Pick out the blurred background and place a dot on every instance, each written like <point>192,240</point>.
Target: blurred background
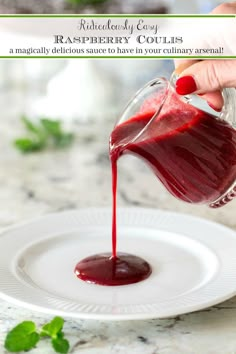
<point>107,6</point>
<point>80,90</point>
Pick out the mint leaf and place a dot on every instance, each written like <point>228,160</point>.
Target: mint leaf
<point>52,328</point>
<point>31,127</point>
<point>28,145</point>
<point>52,127</point>
<point>60,344</point>
<point>64,140</point>
<point>22,337</point>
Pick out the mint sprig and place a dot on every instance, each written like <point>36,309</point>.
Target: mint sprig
<point>45,133</point>
<point>25,336</point>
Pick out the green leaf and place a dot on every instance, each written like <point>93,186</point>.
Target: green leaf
<point>28,145</point>
<point>52,127</point>
<point>64,140</point>
<point>31,127</point>
<point>60,344</point>
<point>22,337</point>
<point>52,328</point>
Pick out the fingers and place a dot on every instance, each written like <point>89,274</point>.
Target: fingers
<point>208,76</point>
<point>214,99</point>
<point>183,64</point>
<point>225,8</point>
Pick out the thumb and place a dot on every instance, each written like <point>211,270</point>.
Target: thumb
<point>207,76</point>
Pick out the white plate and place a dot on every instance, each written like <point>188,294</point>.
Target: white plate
<point>193,261</point>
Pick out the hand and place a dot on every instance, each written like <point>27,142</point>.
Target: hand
<point>208,77</point>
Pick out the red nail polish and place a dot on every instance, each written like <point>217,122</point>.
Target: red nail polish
<point>185,85</point>
<point>213,107</point>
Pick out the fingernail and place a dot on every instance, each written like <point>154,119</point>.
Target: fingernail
<point>213,107</point>
<point>185,85</point>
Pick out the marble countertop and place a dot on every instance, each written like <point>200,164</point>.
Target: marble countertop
<point>54,181</point>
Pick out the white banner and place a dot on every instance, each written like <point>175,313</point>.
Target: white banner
<point>118,36</point>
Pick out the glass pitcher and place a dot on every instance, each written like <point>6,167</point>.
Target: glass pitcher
<point>190,147</point>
